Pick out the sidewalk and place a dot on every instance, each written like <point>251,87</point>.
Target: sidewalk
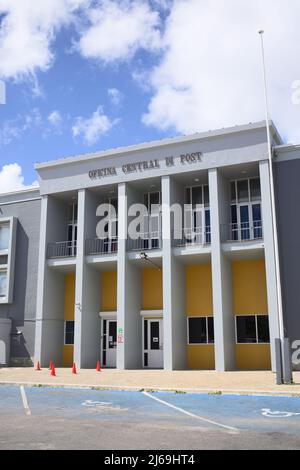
<point>189,381</point>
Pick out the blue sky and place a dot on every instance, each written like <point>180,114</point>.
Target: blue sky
<point>87,75</point>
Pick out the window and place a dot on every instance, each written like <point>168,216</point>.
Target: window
<point>197,195</point>
<point>247,190</point>
<point>3,284</point>
<point>200,330</point>
<point>263,334</point>
<point>69,332</point>
<point>4,236</point>
<point>243,191</point>
<point>255,189</point>
<point>246,216</point>
<point>252,329</point>
<point>152,202</point>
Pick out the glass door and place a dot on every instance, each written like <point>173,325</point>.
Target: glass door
<point>110,342</point>
<point>257,221</point>
<point>155,344</point>
<point>244,222</point>
<point>152,222</point>
<point>72,230</point>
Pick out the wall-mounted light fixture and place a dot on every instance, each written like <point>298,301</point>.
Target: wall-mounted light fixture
<point>145,257</point>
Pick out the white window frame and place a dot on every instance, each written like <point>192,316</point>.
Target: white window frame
<point>4,270</point>
<point>188,332</point>
<point>256,328</point>
<point>153,236</point>
<point>250,205</point>
<point>202,208</point>
<point>10,253</point>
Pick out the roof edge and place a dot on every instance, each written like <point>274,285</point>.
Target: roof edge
<point>21,191</point>
<point>159,143</point>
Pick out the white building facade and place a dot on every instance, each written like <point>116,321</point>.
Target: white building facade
<point>160,301</point>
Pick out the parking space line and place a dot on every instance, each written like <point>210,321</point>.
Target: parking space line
<point>192,415</point>
<point>24,400</point>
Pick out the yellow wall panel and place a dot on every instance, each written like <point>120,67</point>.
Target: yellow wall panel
<point>109,292</point>
<point>152,289</point>
<point>249,287</point>
<point>201,357</point>
<point>69,296</point>
<point>253,357</point>
<point>199,300</point>
<point>68,356</point>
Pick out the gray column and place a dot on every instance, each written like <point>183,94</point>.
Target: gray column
<point>129,321</point>
<point>269,257</point>
<point>175,323</point>
<point>50,289</point>
<point>221,275</point>
<point>87,295</point>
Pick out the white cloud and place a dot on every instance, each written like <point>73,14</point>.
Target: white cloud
<point>91,129</point>
<point>27,31</point>
<point>13,129</point>
<point>55,119</point>
<point>210,74</point>
<point>116,30</point>
<point>11,179</point>
<point>115,96</point>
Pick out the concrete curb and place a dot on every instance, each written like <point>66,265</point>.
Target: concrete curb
<point>257,393</point>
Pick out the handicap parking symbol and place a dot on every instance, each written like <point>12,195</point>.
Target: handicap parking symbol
<point>278,414</point>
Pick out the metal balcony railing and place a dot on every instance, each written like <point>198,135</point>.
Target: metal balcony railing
<point>99,246</point>
<point>192,237</point>
<point>62,249</point>
<point>243,232</point>
<point>146,242</point>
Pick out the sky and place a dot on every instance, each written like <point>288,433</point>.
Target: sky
<point>88,75</point>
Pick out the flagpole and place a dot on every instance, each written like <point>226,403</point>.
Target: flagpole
<point>273,211</point>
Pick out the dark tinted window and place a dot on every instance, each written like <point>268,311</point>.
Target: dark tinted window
<point>188,196</point>
<point>69,333</point>
<point>206,196</point>
<point>197,331</point>
<point>145,335</point>
<point>197,195</point>
<point>246,329</point>
<point>233,191</point>
<point>210,330</point>
<point>263,329</point>
<point>255,189</point>
<point>243,191</point>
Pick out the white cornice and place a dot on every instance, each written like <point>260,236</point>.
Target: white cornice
<point>159,144</point>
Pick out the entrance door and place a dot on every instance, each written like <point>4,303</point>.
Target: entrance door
<point>155,344</point>
<point>109,343</point>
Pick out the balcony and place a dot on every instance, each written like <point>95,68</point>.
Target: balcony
<point>146,242</point>
<point>244,232</point>
<point>99,246</point>
<point>192,237</point>
<point>62,250</point>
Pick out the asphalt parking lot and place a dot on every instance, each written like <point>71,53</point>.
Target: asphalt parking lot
<point>65,418</point>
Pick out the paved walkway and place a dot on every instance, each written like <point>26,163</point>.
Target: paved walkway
<point>190,381</point>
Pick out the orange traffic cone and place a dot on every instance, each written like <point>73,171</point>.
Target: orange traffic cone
<point>74,369</point>
<point>38,366</point>
<point>53,370</point>
<point>98,368</point>
<point>50,365</point>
